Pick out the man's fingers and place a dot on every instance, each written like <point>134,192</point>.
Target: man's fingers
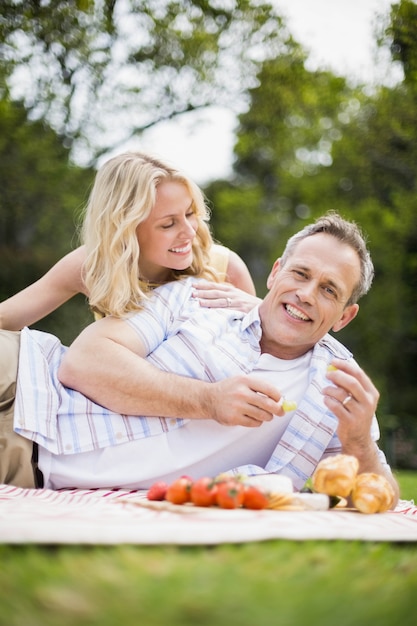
<point>350,380</point>
<point>247,401</point>
<point>270,392</point>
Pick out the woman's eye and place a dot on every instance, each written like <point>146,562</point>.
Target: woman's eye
<point>168,225</point>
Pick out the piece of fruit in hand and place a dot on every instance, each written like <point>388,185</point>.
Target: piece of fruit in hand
<point>289,405</point>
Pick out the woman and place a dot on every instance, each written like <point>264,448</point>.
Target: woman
<point>145,224</point>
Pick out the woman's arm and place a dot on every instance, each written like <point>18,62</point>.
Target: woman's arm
<point>58,285</point>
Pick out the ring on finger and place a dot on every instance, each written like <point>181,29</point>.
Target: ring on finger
<point>347,399</point>
<point>229,302</point>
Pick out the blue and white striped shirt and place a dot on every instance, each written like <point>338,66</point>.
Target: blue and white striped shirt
<point>186,339</point>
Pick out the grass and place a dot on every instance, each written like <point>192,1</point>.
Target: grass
<point>279,583</point>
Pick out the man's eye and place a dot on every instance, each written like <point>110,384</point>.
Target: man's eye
<point>299,273</point>
<point>330,292</point>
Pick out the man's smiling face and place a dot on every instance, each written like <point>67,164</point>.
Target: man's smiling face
<point>308,295</point>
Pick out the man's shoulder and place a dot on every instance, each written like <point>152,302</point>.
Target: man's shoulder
<point>334,346</point>
<point>166,303</point>
<point>174,290</point>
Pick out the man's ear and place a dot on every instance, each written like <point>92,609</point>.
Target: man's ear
<point>273,273</point>
<point>349,313</point>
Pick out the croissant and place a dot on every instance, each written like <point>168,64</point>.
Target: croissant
<point>336,475</point>
<point>372,493</point>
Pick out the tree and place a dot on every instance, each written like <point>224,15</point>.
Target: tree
<point>309,143</point>
<point>40,197</point>
<point>102,71</point>
<point>283,139</point>
<point>399,36</point>
<point>373,180</point>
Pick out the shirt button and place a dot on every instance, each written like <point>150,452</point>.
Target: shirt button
<point>68,446</point>
<point>172,421</point>
<point>119,435</point>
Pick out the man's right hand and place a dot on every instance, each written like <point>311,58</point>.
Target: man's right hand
<point>242,401</point>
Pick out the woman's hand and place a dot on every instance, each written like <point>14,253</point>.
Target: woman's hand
<point>223,295</point>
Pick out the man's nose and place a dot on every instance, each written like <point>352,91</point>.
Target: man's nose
<point>307,292</point>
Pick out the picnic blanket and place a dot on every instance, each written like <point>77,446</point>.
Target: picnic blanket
<point>43,516</point>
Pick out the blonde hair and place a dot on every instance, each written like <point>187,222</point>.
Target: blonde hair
<point>123,196</point>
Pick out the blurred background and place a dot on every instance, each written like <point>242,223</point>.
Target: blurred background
<point>279,110</point>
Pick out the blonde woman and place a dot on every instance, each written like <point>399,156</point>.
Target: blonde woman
<point>145,224</point>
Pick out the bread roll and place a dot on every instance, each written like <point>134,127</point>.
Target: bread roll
<point>336,475</point>
<point>372,493</point>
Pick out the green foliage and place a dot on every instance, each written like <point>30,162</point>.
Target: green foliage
<point>402,39</point>
<point>309,143</point>
<point>282,142</point>
<point>249,233</point>
<point>41,195</point>
<point>39,189</point>
<point>115,68</point>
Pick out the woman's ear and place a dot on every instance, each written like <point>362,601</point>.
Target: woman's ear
<point>273,273</point>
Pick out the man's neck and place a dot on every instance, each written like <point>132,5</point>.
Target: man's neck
<point>285,353</point>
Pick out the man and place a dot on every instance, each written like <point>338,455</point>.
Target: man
<point>222,408</point>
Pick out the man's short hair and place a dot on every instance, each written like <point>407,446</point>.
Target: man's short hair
<point>346,232</point>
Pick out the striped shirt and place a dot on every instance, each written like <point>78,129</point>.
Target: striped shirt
<point>184,338</point>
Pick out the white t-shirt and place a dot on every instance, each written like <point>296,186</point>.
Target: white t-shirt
<point>199,448</point>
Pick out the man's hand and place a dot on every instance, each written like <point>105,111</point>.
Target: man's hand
<point>242,401</point>
<point>353,398</point>
<point>106,363</point>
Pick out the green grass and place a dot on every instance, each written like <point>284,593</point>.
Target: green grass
<point>279,583</point>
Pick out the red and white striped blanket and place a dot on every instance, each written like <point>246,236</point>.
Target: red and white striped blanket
<point>115,517</point>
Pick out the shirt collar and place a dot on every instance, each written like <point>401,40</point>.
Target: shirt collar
<point>252,319</point>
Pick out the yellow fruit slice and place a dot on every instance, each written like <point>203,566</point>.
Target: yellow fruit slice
<point>289,405</point>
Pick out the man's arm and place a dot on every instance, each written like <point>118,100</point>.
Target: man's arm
<point>355,415</point>
<point>107,364</point>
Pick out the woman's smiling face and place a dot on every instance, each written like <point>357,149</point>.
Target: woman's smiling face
<point>308,295</point>
<point>166,236</point>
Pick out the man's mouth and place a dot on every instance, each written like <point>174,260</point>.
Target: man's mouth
<point>295,313</point>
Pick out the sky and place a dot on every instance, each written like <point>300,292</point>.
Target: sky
<point>337,34</point>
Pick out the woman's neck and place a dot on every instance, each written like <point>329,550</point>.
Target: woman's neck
<point>155,274</point>
<point>154,279</point>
